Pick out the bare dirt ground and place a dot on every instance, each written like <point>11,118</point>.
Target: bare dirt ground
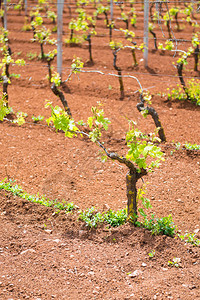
<point>54,256</point>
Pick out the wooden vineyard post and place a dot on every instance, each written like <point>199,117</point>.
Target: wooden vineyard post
<point>111,11</point>
<point>146,32</point>
<point>5,14</point>
<point>26,8</point>
<point>60,5</point>
<point>111,20</point>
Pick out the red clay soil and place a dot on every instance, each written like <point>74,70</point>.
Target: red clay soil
<point>45,255</point>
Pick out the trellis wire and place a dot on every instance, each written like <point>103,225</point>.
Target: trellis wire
<point>59,57</point>
<point>123,76</point>
<point>116,2</point>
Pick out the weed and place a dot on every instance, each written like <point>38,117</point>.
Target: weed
<point>15,75</point>
<point>189,146</point>
<point>158,226</point>
<point>64,206</point>
<point>190,238</point>
<point>115,218</point>
<point>91,217</point>
<point>161,94</point>
<point>175,262</point>
<point>31,55</point>
<point>152,253</point>
<point>37,119</point>
<point>18,191</point>
<point>178,146</point>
